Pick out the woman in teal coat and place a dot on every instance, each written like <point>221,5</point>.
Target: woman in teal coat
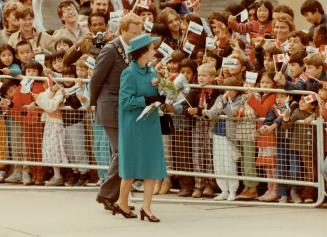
<point>141,154</point>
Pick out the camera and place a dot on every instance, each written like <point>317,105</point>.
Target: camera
<point>99,40</point>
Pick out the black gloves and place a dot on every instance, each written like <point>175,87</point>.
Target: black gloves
<point>151,99</point>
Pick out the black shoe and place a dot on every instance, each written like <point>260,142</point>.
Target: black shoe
<point>117,209</point>
<point>72,179</point>
<point>150,218</point>
<point>83,180</point>
<point>106,203</point>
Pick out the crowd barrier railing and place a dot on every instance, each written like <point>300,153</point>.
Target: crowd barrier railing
<point>194,149</point>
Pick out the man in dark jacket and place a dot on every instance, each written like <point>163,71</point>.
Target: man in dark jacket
<point>105,84</point>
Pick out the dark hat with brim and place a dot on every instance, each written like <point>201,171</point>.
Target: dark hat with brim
<point>140,42</point>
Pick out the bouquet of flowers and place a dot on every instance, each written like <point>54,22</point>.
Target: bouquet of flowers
<point>166,87</point>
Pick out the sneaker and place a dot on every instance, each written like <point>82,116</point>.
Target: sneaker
<point>264,195</point>
<point>138,186</point>
<point>197,193</point>
<point>283,199</point>
<point>72,179</point>
<point>14,178</point>
<point>54,181</point>
<point>2,176</point>
<point>308,200</point>
<point>231,197</point>
<point>184,193</point>
<point>100,182</point>
<point>27,180</point>
<point>295,198</point>
<point>83,180</point>
<point>270,197</point>
<point>222,196</point>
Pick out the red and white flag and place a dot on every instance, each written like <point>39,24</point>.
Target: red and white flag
<point>280,58</point>
<point>304,76</point>
<point>310,98</point>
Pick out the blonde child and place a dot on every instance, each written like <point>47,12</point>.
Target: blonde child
<point>200,100</point>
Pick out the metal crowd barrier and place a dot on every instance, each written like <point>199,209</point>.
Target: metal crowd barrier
<point>194,149</point>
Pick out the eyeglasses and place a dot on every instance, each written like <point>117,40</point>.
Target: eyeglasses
<point>68,10</point>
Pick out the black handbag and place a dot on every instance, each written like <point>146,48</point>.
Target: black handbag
<point>167,124</point>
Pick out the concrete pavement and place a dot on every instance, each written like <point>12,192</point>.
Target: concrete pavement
<point>76,214</point>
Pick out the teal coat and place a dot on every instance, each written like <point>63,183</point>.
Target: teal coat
<point>140,144</point>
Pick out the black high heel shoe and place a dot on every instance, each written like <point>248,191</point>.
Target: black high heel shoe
<point>150,218</point>
<point>117,209</point>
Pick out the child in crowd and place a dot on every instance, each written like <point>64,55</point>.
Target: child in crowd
<point>314,67</point>
<point>5,135</point>
<point>314,13</point>
<point>246,135</point>
<point>261,26</point>
<point>62,44</point>
<point>296,68</point>
<point>181,145</point>
<point>304,77</point>
<point>57,63</point>
<point>75,140</point>
<point>266,143</point>
<point>202,154</point>
<point>24,52</point>
<point>265,58</point>
<point>172,65</point>
<point>16,142</point>
<point>273,121</point>
<point>301,146</point>
<point>29,118</point>
<point>54,133</point>
<point>225,153</point>
<point>8,63</point>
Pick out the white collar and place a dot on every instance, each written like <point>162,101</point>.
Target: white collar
<point>125,45</point>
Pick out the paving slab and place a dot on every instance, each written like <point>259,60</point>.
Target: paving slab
<point>76,214</point>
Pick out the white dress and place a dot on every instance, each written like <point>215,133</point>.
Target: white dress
<point>53,150</point>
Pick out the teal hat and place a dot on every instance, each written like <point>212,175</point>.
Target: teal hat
<point>140,42</point>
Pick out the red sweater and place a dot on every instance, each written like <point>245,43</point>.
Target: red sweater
<point>261,107</point>
<point>21,99</point>
<point>255,28</point>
